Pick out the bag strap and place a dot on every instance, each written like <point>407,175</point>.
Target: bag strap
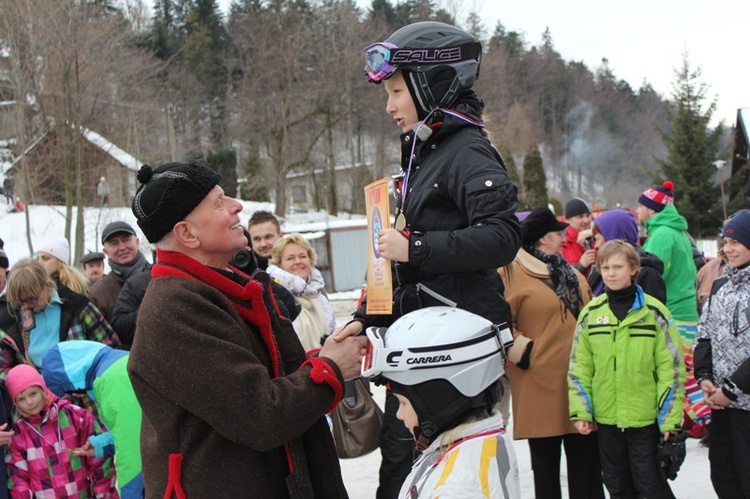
<point>718,283</point>
<point>350,391</point>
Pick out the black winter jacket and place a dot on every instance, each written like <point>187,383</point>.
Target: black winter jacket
<point>125,313</point>
<point>459,210</point>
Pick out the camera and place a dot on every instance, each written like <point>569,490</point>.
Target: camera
<point>587,244</point>
<point>245,259</point>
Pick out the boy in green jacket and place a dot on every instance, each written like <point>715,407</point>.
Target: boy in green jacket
<point>668,239</point>
<point>627,375</point>
<point>101,371</point>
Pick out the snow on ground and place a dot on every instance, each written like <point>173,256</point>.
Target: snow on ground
<point>361,474</point>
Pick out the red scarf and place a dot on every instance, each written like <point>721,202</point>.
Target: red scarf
<point>247,300</point>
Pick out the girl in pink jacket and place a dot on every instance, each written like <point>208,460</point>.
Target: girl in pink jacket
<point>45,458</point>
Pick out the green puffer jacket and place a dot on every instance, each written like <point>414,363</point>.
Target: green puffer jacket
<point>630,373</point>
<point>668,240</point>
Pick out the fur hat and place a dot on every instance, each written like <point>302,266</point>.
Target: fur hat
<point>738,228</point>
<point>658,197</point>
<point>538,223</point>
<point>575,207</point>
<point>169,194</point>
<point>24,376</point>
<point>57,247</point>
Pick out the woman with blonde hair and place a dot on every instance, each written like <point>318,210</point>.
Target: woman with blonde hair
<point>54,254</point>
<point>292,265</point>
<point>46,314</point>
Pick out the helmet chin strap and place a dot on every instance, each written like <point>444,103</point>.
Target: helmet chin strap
<point>432,425</point>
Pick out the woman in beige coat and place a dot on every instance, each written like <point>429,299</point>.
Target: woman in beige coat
<point>546,295</point>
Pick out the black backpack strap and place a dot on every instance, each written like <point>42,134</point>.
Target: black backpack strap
<point>718,283</point>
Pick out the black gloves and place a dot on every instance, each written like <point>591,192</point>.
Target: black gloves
<point>671,454</point>
<point>526,357</point>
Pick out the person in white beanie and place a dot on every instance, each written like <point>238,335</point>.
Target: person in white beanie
<point>54,255</point>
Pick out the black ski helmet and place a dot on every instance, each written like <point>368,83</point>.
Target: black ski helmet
<point>438,61</point>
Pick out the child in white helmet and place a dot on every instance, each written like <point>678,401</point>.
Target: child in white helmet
<point>444,366</point>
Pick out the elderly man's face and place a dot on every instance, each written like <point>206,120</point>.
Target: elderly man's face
<point>121,247</point>
<point>216,222</point>
<point>94,271</point>
<point>3,278</point>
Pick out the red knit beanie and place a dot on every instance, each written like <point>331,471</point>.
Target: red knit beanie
<point>658,197</point>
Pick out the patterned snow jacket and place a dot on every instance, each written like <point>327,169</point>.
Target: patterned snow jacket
<point>41,465</point>
<point>631,373</point>
<point>722,345</point>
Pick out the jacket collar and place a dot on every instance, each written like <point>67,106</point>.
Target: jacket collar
<point>246,299</point>
<point>533,265</point>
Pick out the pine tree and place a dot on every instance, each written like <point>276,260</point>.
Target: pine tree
<point>534,180</point>
<point>224,161</point>
<point>510,164</point>
<point>692,147</point>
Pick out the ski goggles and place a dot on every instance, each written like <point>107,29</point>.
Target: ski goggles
<point>382,59</point>
<point>378,58</point>
<point>378,359</point>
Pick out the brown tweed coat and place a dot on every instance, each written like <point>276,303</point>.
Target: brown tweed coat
<point>205,379</point>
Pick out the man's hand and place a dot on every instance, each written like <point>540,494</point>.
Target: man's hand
<point>583,235</point>
<point>583,427</point>
<point>5,436</point>
<point>588,257</point>
<point>346,353</point>
<point>393,245</point>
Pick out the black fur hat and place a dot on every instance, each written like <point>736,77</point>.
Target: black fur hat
<point>537,224</point>
<point>169,194</point>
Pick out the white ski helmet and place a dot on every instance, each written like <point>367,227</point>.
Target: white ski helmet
<point>446,361</point>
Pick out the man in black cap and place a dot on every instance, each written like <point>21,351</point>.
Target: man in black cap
<point>576,249</point>
<point>231,406</point>
<point>122,247</point>
<point>92,264</point>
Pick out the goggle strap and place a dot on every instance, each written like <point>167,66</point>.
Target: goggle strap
<point>406,359</point>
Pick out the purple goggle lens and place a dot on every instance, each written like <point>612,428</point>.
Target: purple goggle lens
<point>377,61</point>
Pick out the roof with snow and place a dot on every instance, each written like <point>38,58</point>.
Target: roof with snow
<point>122,157</point>
<point>125,159</point>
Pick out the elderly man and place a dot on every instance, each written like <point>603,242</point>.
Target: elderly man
<point>122,247</point>
<point>231,406</point>
<point>92,264</point>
